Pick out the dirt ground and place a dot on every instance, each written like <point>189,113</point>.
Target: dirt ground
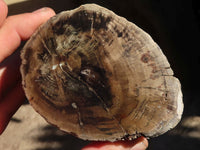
<point>29,131</point>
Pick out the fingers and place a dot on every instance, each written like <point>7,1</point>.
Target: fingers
<point>11,94</point>
<point>3,11</point>
<point>9,73</point>
<point>20,27</point>
<point>12,31</point>
<point>139,144</point>
<point>10,104</point>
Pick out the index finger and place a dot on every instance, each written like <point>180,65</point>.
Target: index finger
<point>3,11</point>
<point>20,27</point>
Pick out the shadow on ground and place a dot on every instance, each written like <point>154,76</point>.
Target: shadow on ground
<point>58,140</point>
<point>174,142</point>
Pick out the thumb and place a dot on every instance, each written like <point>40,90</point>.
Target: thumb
<point>20,27</point>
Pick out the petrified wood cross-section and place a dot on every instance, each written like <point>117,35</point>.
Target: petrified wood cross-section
<point>100,77</point>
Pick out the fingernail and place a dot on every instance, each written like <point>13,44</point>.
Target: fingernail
<point>139,146</point>
<point>40,10</point>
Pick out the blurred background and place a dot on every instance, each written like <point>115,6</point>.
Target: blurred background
<point>174,25</point>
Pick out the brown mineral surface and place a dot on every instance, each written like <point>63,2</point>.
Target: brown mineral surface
<point>100,77</point>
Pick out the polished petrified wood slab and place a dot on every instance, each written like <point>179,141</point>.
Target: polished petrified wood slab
<point>100,77</point>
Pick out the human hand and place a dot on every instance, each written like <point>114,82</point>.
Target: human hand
<point>13,30</point>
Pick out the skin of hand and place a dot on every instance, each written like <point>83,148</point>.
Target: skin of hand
<point>14,30</point>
